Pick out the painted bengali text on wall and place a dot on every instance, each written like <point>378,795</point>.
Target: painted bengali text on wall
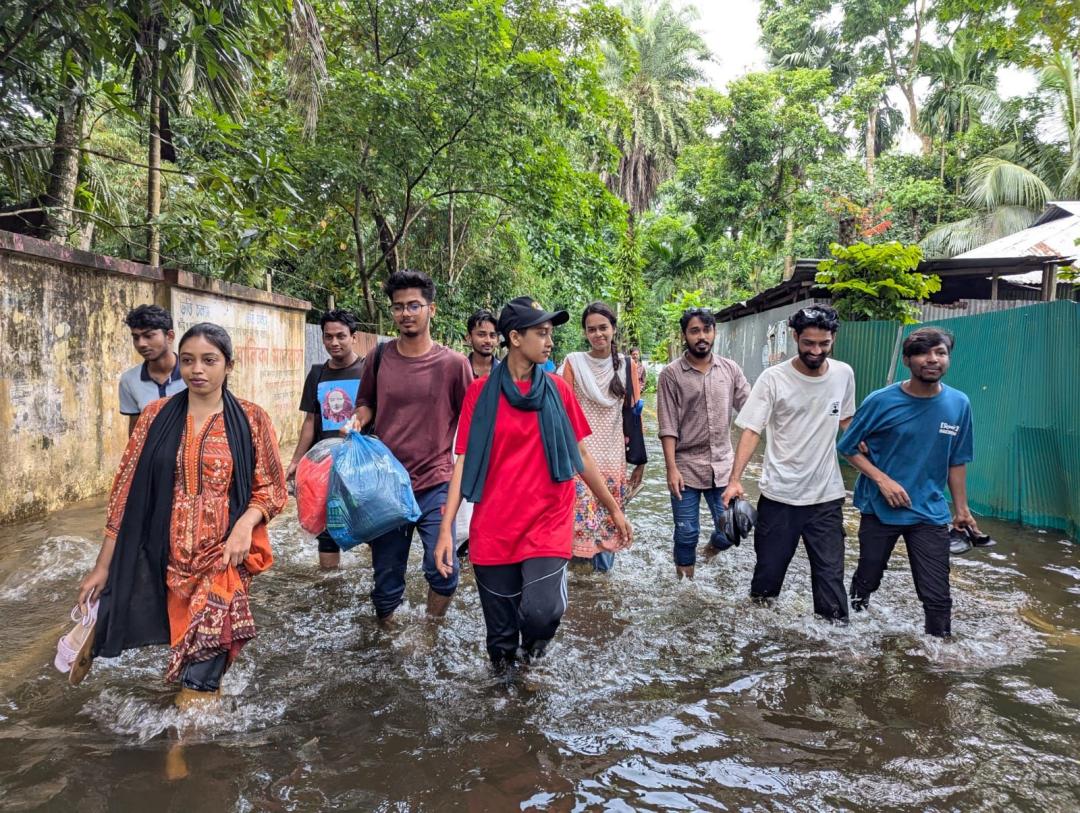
<point>269,350</point>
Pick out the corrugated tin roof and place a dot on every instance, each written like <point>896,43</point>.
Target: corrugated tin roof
<point>1058,208</point>
<point>1054,234</point>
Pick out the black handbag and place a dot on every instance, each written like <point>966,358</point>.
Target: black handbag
<point>632,428</point>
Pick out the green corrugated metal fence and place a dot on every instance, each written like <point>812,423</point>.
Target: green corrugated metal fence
<point>868,348</point>
<point>1021,370</point>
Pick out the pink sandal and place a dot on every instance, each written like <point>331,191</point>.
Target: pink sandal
<point>73,649</point>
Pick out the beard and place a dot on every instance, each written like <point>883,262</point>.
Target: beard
<point>700,354</point>
<point>813,362</point>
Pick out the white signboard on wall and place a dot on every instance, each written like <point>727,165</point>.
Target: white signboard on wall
<point>268,344</point>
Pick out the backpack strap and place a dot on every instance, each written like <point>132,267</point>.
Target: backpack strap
<point>375,364</point>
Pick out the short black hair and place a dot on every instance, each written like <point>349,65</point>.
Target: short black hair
<point>347,318</point>
<point>481,316</point>
<point>704,314</point>
<point>404,279</point>
<point>926,339</point>
<point>819,316</point>
<point>149,317</point>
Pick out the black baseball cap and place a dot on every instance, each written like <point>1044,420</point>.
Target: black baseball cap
<point>523,312</point>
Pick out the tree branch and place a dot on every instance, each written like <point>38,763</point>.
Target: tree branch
<point>88,151</point>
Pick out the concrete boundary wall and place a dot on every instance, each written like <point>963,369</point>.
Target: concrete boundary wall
<point>64,344</point>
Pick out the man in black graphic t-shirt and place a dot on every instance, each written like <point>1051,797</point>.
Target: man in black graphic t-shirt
<point>329,399</point>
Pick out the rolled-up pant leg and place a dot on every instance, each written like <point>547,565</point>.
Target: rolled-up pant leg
<point>205,676</point>
<point>685,512</point>
<point>432,504</point>
<point>389,558</point>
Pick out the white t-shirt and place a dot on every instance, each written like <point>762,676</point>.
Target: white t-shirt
<point>802,416</point>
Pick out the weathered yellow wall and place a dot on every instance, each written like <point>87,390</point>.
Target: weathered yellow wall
<point>64,344</point>
<point>268,345</point>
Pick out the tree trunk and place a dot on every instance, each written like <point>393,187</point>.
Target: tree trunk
<point>153,179</point>
<point>369,302</point>
<point>846,231</point>
<point>871,143</point>
<point>59,199</point>
<point>913,114</point>
<point>789,238</point>
<point>361,256</point>
<point>86,235</point>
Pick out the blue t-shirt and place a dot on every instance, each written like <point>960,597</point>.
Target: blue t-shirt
<point>914,441</point>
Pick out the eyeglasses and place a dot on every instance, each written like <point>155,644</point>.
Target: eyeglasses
<point>814,312</point>
<point>409,307</point>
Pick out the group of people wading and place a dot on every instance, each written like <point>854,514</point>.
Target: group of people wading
<point>542,458</point>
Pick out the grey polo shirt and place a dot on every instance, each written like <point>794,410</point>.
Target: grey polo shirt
<point>138,390</point>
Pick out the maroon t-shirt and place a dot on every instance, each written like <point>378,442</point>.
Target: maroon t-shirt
<point>417,408</point>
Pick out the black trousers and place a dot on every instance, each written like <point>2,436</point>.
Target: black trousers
<point>205,676</point>
<point>776,537</point>
<point>928,553</point>
<point>523,604</point>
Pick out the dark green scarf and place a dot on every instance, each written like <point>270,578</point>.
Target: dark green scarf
<point>556,433</point>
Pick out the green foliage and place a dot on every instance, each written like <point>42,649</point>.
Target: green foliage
<point>669,339</point>
<point>627,287</point>
<point>565,149</point>
<point>876,282</point>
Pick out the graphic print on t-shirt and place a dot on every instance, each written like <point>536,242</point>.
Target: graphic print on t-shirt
<point>337,402</point>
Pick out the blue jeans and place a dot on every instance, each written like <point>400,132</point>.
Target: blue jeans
<point>390,554</point>
<point>686,512</point>
<point>602,561</point>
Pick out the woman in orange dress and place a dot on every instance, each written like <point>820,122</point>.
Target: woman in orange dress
<point>186,525</point>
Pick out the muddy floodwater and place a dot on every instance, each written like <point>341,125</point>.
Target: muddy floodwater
<point>656,695</point>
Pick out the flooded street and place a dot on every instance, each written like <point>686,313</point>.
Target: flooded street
<point>656,695</point>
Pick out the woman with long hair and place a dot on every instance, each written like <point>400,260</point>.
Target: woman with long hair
<point>186,524</point>
<point>604,383</point>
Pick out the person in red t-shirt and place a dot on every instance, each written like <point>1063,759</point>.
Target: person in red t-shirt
<point>520,445</point>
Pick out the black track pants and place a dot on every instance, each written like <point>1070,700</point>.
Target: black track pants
<point>523,604</point>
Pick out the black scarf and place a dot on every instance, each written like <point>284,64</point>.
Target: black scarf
<point>556,433</point>
<point>133,611</point>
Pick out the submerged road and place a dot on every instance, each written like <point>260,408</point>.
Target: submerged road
<point>657,695</point>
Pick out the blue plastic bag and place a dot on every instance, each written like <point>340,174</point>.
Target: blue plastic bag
<point>370,492</point>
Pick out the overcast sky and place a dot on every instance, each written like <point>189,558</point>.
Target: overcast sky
<point>731,32</point>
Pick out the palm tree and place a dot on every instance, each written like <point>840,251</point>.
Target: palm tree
<point>1010,185</point>
<point>184,47</point>
<point>171,49</point>
<point>963,89</point>
<point>654,77</point>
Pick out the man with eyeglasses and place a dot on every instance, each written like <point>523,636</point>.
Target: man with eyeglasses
<point>414,391</point>
<point>802,402</point>
<point>696,395</point>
